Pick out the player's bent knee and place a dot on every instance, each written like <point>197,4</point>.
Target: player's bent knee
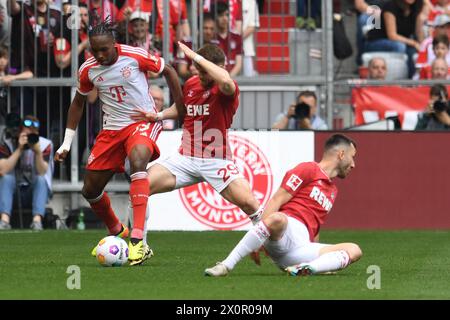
<point>354,252</point>
<point>89,194</point>
<point>275,221</point>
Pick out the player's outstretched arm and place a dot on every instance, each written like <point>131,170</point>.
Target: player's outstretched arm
<point>278,199</point>
<point>73,118</point>
<point>175,88</point>
<point>219,74</point>
<point>169,113</point>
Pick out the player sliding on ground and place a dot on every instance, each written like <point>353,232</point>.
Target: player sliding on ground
<point>292,218</point>
<point>211,100</point>
<point>119,72</point>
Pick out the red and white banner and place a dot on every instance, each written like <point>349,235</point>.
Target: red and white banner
<point>375,103</point>
<point>263,158</point>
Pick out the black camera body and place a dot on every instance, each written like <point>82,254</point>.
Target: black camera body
<point>441,106</point>
<point>302,111</point>
<point>33,138</point>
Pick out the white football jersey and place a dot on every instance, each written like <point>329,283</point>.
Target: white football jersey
<point>123,86</point>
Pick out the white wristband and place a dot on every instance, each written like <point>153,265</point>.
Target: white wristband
<point>159,116</point>
<point>198,58</point>
<point>68,137</point>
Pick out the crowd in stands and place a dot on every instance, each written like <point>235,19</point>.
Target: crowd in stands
<point>419,29</point>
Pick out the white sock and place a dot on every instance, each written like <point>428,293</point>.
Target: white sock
<point>252,241</point>
<point>330,261</point>
<point>256,217</point>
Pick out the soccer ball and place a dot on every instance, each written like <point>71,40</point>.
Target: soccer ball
<point>112,251</point>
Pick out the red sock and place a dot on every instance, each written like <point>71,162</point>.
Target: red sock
<point>104,211</point>
<point>139,192</point>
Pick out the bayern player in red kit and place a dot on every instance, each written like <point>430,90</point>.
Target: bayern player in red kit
<point>211,100</point>
<point>119,72</point>
<point>291,221</point>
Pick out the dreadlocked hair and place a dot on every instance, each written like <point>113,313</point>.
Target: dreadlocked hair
<point>103,28</point>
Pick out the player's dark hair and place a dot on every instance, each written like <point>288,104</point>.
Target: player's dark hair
<point>104,28</point>
<point>338,139</point>
<point>306,94</point>
<point>212,53</point>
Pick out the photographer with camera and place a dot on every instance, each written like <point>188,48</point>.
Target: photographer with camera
<point>25,168</point>
<point>301,115</point>
<point>436,116</point>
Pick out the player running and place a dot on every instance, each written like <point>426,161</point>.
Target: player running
<point>211,100</point>
<point>292,218</point>
<point>119,72</point>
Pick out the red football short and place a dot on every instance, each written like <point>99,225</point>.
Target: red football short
<point>111,147</point>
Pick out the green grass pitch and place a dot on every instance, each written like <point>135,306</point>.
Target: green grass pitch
<point>413,265</point>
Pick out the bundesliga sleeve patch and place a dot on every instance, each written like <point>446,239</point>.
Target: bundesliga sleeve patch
<point>294,182</point>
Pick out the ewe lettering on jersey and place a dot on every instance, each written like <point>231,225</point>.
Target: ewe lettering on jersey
<point>197,110</point>
<point>320,198</point>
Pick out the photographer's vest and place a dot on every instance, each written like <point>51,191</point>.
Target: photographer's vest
<point>27,159</point>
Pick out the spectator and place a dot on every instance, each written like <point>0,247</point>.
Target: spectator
<point>158,96</point>
<point>62,51</point>
<point>4,24</point>
<point>229,42</point>
<point>438,70</point>
<point>25,166</point>
<point>250,17</point>
<point>131,6</point>
<point>178,24</point>
<point>442,29</point>
<point>296,118</point>
<point>7,74</point>
<point>365,10</point>
<point>440,51</point>
<point>6,77</point>
<point>100,10</point>
<point>209,29</point>
<point>139,30</point>
<point>377,69</point>
<point>401,30</point>
<point>235,12</point>
<point>436,114</point>
<point>45,26</point>
<point>308,14</point>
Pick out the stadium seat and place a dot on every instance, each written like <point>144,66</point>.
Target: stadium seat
<point>397,63</point>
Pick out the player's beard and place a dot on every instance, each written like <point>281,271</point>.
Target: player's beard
<point>343,171</point>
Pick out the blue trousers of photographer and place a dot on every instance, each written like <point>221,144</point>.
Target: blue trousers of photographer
<point>36,194</point>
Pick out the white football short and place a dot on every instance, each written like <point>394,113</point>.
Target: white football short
<point>219,173</point>
<point>294,247</point>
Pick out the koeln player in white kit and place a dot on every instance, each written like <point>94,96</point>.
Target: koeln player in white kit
<point>289,229</point>
<point>211,100</point>
<point>119,73</point>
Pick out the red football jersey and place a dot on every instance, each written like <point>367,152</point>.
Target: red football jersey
<point>231,46</point>
<point>313,195</point>
<point>209,114</point>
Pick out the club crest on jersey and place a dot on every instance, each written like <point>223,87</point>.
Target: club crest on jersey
<point>206,94</point>
<point>126,72</point>
<point>294,182</point>
<point>210,208</point>
<point>190,93</point>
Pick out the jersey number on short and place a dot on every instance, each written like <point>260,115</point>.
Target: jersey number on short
<point>142,129</point>
<point>226,172</point>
